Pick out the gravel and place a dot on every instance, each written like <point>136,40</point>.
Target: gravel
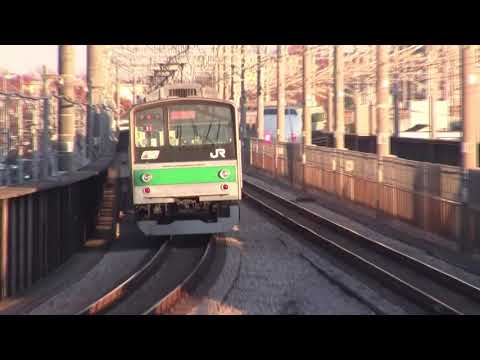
<point>274,278</point>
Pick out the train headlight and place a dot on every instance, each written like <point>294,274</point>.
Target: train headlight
<point>146,177</point>
<point>224,173</point>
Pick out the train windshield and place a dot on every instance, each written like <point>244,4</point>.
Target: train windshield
<point>149,128</point>
<point>200,124</point>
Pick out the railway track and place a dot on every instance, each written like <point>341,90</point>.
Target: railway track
<point>166,279</point>
<point>430,288</point>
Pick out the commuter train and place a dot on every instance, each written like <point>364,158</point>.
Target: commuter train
<point>185,159</point>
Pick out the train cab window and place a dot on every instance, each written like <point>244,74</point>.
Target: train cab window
<point>200,124</point>
<point>149,129</point>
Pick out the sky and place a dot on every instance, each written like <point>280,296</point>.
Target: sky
<point>29,58</point>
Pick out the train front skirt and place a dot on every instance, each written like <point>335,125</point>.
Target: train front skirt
<point>187,227</point>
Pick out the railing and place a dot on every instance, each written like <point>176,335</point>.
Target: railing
<point>46,215</point>
<point>426,195</point>
<point>29,136</point>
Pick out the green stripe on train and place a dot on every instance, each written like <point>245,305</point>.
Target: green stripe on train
<point>189,175</point>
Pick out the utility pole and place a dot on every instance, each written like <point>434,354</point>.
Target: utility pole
<point>117,93</point>
<point>96,83</point>
<point>66,126</point>
<point>281,93</point>
<point>20,132</point>
<point>20,124</point>
<point>445,75</point>
<point>266,76</point>
<point>308,97</point>
<point>260,107</point>
<point>215,68</point>
<point>134,92</point>
<point>225,73</point>
<point>330,119</point>
<point>372,118</point>
<point>330,97</point>
<point>431,92</point>
<point>233,59</point>
<point>383,86</point>
<point>470,111</point>
<point>221,72</point>
<point>471,105</point>
<point>243,97</point>
<point>356,98</point>
<point>46,125</point>
<point>35,139</point>
<point>339,98</point>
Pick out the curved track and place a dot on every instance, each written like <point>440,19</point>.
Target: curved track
<point>429,287</point>
<point>183,290</point>
<point>120,292</point>
<point>163,281</point>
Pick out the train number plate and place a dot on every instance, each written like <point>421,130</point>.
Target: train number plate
<point>150,155</point>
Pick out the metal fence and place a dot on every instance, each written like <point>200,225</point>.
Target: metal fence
<point>423,194</point>
<point>41,226</point>
<point>29,136</point>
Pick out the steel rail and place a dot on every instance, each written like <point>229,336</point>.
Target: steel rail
<point>181,291</point>
<point>412,291</point>
<point>112,297</point>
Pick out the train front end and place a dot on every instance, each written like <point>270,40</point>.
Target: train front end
<point>186,166</point>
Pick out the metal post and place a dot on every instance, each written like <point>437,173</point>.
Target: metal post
<point>260,108</point>
<point>225,74</point>
<point>20,134</point>
<point>339,99</point>
<point>308,97</point>
<point>233,59</point>
<point>66,127</point>
<point>266,77</point>
<point>221,73</point>
<point>35,141</point>
<point>46,154</point>
<point>46,138</point>
<point>431,93</point>
<point>444,71</point>
<point>396,105</point>
<point>117,95</point>
<point>356,103</point>
<point>330,119</point>
<point>330,98</point>
<point>134,93</point>
<point>4,248</point>
<point>243,97</point>
<point>281,93</point>
<point>355,98</point>
<point>383,86</point>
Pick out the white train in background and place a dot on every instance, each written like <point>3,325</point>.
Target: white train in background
<point>293,122</point>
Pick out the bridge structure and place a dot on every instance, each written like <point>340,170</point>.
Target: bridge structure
<point>57,144</point>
